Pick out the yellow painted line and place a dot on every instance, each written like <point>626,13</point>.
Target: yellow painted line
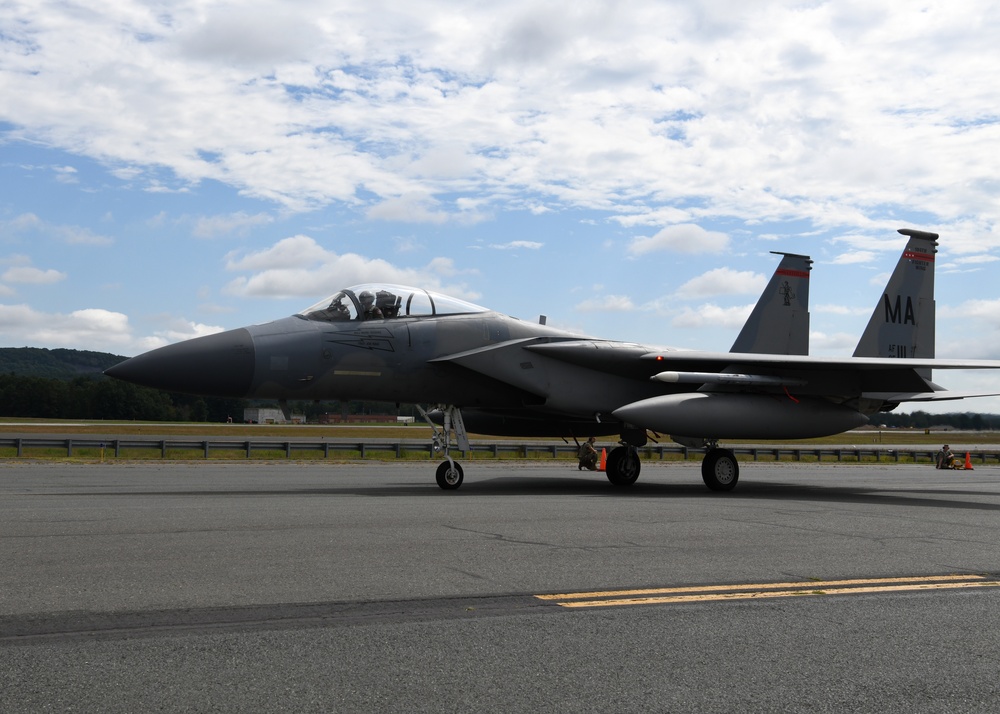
<point>811,584</point>
<point>778,593</point>
<point>749,591</point>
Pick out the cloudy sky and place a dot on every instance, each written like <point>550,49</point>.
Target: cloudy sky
<point>170,169</point>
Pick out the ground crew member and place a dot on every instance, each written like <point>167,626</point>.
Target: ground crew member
<point>587,455</point>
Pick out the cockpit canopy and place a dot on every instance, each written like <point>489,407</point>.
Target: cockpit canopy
<point>379,301</point>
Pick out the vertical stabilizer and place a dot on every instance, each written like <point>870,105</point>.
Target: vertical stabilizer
<point>779,323</point>
<point>903,322</point>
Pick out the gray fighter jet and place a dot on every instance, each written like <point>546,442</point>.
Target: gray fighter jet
<point>480,371</point>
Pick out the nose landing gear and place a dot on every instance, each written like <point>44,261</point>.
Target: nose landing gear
<point>449,474</point>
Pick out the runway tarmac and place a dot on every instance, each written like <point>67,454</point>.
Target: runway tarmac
<point>294,586</point>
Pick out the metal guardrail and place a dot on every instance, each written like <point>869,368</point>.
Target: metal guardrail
<point>118,447</point>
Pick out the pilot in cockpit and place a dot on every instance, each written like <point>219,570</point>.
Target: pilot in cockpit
<point>368,307</point>
<point>388,303</point>
<point>338,310</point>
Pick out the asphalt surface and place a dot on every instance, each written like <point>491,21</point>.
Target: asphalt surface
<point>292,586</point>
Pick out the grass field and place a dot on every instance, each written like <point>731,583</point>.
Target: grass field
<point>360,432</point>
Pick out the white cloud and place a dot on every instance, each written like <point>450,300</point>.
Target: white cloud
<point>28,275</point>
<point>518,245</point>
<point>421,207</point>
<point>606,303</point>
<point>294,252</point>
<point>255,35</point>
<point>709,314</point>
<point>300,267</point>
<point>976,260</point>
<point>239,223</point>
<point>722,281</point>
<point>28,224</point>
<point>856,257</point>
<point>177,330</point>
<point>65,174</point>
<point>661,114</point>
<point>88,328</point>
<point>688,238</point>
<point>833,344</point>
<point>841,309</point>
<point>984,311</point>
<point>880,280</point>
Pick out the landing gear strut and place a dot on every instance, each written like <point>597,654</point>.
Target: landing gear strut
<point>449,473</point>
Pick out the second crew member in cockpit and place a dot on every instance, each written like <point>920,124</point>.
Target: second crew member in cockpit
<point>368,307</point>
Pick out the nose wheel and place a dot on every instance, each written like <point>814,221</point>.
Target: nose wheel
<point>450,475</point>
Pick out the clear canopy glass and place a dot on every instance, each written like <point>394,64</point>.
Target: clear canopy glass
<point>380,301</point>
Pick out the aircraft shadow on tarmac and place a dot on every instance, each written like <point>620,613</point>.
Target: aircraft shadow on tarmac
<point>535,486</point>
<point>517,486</point>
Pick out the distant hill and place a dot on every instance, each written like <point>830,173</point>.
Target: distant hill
<point>54,364</point>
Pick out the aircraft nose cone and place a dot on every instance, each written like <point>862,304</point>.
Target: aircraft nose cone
<point>219,365</point>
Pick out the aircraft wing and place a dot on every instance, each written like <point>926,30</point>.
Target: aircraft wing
<point>884,378</point>
<point>595,353</point>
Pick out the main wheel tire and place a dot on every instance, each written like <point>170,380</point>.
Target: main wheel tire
<point>623,466</point>
<point>720,470</point>
<point>450,475</point>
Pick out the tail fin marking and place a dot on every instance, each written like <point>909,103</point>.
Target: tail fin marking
<point>902,324</point>
<point>779,323</point>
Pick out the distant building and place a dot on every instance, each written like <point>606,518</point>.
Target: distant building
<point>362,419</point>
<point>270,416</point>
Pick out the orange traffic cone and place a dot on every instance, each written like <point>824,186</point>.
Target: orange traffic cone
<point>604,460</point>
<point>968,462</point>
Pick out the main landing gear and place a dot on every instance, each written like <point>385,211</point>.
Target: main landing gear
<point>719,469</point>
<point>623,465</point>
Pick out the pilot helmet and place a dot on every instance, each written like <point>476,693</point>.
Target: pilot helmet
<point>366,298</point>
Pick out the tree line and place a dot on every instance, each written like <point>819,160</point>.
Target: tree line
<point>101,398</point>
<point>41,383</point>
<point>964,421</point>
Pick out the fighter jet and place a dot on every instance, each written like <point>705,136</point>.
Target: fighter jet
<point>485,372</point>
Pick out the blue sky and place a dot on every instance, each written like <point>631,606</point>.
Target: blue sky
<point>170,169</point>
